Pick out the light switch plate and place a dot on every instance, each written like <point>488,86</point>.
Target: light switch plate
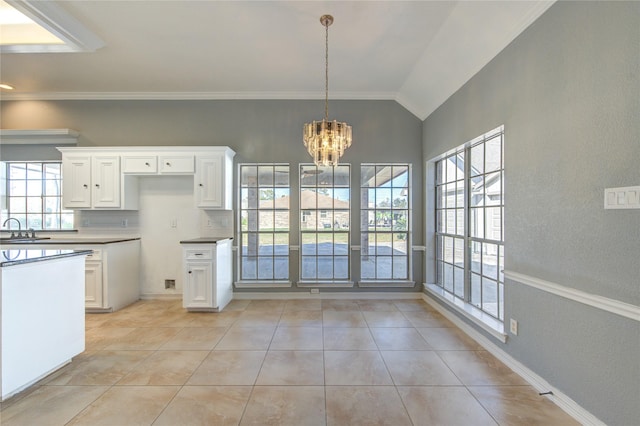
<point>622,198</point>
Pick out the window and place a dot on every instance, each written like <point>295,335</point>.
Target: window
<point>34,195</point>
<point>324,227</point>
<point>470,222</point>
<point>384,221</point>
<point>264,222</point>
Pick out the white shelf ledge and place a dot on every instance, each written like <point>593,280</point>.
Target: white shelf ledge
<point>38,137</point>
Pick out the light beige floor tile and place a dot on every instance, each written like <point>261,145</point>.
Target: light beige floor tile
<point>206,406</point>
<point>228,368</point>
<point>144,339</point>
<point>355,368</point>
<point>520,405</point>
<point>350,319</point>
<point>386,319</point>
<point>344,339</point>
<point>165,368</point>
<point>480,368</point>
<point>95,320</point>
<point>377,305</point>
<point>246,339</point>
<point>127,405</point>
<point>258,319</point>
<point>50,405</point>
<point>237,305</point>
<point>213,319</point>
<point>292,368</point>
<point>448,339</point>
<point>411,305</point>
<point>303,305</point>
<point>266,305</point>
<point>421,319</point>
<point>102,368</point>
<point>340,305</point>
<point>301,319</point>
<point>174,319</point>
<point>399,339</point>
<point>418,368</point>
<point>300,338</point>
<point>365,405</point>
<point>195,338</point>
<point>285,406</point>
<point>100,337</point>
<point>444,405</point>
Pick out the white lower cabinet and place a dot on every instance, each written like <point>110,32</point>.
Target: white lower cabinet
<point>111,274</point>
<point>93,285</point>
<point>207,276</point>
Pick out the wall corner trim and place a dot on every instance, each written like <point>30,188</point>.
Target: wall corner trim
<point>562,400</point>
<point>600,302</point>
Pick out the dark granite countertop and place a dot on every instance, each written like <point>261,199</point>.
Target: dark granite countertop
<point>205,240</point>
<point>69,241</point>
<point>14,257</point>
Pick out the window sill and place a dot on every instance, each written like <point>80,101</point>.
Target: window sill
<point>262,284</point>
<point>382,283</point>
<point>325,284</point>
<point>485,321</point>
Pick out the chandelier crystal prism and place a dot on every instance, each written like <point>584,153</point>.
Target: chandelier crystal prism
<point>326,140</point>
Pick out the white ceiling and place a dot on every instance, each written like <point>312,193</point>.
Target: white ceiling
<point>415,52</point>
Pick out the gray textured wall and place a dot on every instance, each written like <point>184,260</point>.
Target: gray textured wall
<point>568,92</point>
<point>259,131</point>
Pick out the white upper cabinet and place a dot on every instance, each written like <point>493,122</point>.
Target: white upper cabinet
<point>213,181</point>
<point>106,177</point>
<point>76,184</point>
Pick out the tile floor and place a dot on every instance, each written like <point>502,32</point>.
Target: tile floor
<point>265,362</point>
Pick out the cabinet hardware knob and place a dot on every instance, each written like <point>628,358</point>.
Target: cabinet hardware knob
<point>201,185</point>
<point>97,186</point>
<point>146,164</point>
<point>189,271</point>
<point>168,164</point>
<point>85,185</point>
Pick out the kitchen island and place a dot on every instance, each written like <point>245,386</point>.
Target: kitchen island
<point>42,316</point>
<point>112,270</point>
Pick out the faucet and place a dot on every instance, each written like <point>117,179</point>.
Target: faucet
<point>13,235</point>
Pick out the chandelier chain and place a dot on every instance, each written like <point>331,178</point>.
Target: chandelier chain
<point>326,71</point>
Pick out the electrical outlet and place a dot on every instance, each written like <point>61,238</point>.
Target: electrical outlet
<point>173,223</point>
<point>125,223</point>
<point>315,291</point>
<point>513,326</point>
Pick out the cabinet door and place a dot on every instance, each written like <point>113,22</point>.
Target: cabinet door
<point>93,285</point>
<point>105,174</point>
<point>198,286</point>
<point>76,182</point>
<point>209,183</point>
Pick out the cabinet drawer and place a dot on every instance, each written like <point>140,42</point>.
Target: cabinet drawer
<point>177,164</point>
<point>96,255</point>
<point>139,164</point>
<point>198,253</point>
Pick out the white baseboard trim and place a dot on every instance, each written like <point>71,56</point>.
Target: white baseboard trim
<point>610,305</point>
<point>160,296</point>
<point>328,295</point>
<point>562,400</point>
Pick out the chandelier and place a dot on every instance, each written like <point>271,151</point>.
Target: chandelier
<point>326,140</point>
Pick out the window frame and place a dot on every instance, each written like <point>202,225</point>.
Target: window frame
<point>63,216</point>
<point>405,191</point>
<point>468,240</point>
<point>306,217</point>
<point>276,234</point>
